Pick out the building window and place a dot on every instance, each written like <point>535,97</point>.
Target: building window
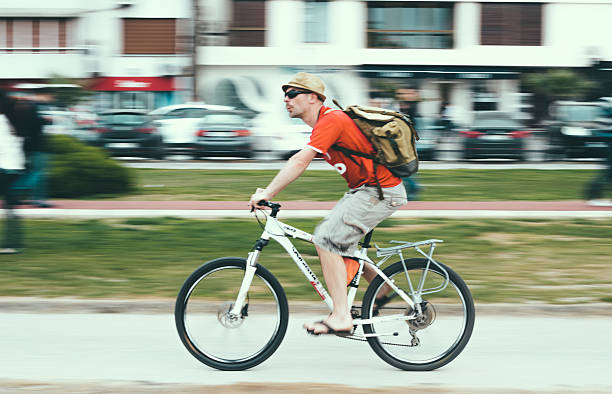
<point>23,34</point>
<point>410,24</point>
<point>144,36</point>
<point>49,33</point>
<point>28,35</point>
<point>511,24</point>
<point>315,21</point>
<point>135,100</point>
<point>248,26</point>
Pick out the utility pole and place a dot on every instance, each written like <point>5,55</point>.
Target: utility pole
<point>194,51</point>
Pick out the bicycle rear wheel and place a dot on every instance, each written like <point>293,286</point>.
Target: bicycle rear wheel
<point>217,338</point>
<point>438,335</point>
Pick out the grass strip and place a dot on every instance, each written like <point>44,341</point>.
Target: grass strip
<point>552,261</point>
<point>438,185</point>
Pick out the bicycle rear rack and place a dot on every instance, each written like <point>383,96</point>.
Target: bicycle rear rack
<point>397,250</point>
<point>380,252</point>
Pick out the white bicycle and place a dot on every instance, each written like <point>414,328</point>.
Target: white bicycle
<point>417,314</point>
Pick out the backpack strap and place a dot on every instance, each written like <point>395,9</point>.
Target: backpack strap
<point>350,153</point>
<point>378,187</point>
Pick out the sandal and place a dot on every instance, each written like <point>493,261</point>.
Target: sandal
<point>329,331</point>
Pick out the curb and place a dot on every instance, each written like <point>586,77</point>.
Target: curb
<point>166,306</point>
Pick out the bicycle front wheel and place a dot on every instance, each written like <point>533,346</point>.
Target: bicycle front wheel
<point>218,338</point>
<point>437,335</point>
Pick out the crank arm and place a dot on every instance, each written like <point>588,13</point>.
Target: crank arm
<point>374,335</point>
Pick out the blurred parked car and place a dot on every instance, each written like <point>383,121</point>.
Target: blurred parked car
<point>278,136</point>
<point>430,131</point>
<point>495,135</point>
<point>129,132</point>
<point>178,125</point>
<point>224,133</point>
<point>58,122</point>
<point>576,128</point>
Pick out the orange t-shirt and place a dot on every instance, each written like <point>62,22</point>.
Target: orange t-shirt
<point>336,127</point>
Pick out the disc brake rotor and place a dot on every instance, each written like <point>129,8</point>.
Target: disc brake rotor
<point>423,319</point>
<point>227,319</point>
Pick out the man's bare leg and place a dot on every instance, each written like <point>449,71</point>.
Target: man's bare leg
<point>369,274</point>
<point>334,273</point>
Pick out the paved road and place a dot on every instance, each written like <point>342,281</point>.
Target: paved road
<point>541,353</point>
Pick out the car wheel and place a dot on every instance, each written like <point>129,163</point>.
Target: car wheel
<point>159,155</point>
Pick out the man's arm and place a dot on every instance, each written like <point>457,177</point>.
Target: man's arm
<point>296,165</point>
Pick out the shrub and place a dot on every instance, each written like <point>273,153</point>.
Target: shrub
<point>78,170</point>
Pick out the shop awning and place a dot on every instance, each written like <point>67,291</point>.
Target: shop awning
<point>131,84</point>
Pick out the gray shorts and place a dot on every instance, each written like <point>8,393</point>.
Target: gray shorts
<point>358,212</point>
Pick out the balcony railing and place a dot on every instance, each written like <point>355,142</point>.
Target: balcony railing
<point>54,50</point>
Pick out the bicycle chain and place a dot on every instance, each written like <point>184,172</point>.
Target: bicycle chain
<point>354,338</point>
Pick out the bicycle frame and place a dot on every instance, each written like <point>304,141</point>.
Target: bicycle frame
<point>280,232</point>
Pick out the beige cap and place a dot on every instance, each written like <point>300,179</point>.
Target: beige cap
<point>308,82</point>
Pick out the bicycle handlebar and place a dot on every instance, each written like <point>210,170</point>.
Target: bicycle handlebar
<point>275,206</point>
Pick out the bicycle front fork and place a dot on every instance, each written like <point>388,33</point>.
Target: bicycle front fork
<point>249,273</point>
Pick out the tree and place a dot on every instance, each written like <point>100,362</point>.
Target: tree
<point>67,91</point>
<point>558,84</point>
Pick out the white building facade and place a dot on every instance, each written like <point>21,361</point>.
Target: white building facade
<point>140,53</point>
<point>130,52</point>
<point>468,53</point>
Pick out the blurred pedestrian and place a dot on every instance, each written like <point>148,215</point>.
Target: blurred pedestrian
<point>412,187</point>
<point>446,118</point>
<point>12,163</point>
<point>408,100</point>
<point>29,120</point>
<point>595,189</point>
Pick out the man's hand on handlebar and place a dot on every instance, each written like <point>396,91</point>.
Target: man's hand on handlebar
<point>257,197</point>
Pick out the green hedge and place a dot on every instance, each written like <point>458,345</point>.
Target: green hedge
<point>79,170</point>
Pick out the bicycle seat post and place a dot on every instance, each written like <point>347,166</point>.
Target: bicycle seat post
<point>367,239</point>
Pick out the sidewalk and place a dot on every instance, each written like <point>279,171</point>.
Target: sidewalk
<point>217,209</point>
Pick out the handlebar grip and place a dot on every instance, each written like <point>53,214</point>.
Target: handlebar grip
<point>260,203</point>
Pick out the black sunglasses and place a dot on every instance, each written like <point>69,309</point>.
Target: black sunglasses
<point>294,93</point>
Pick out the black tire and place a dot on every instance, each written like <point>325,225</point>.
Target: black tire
<point>454,305</point>
<point>203,324</point>
<point>249,153</point>
<point>159,154</point>
<point>288,155</point>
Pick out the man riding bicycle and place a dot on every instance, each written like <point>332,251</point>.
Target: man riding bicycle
<point>358,212</point>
